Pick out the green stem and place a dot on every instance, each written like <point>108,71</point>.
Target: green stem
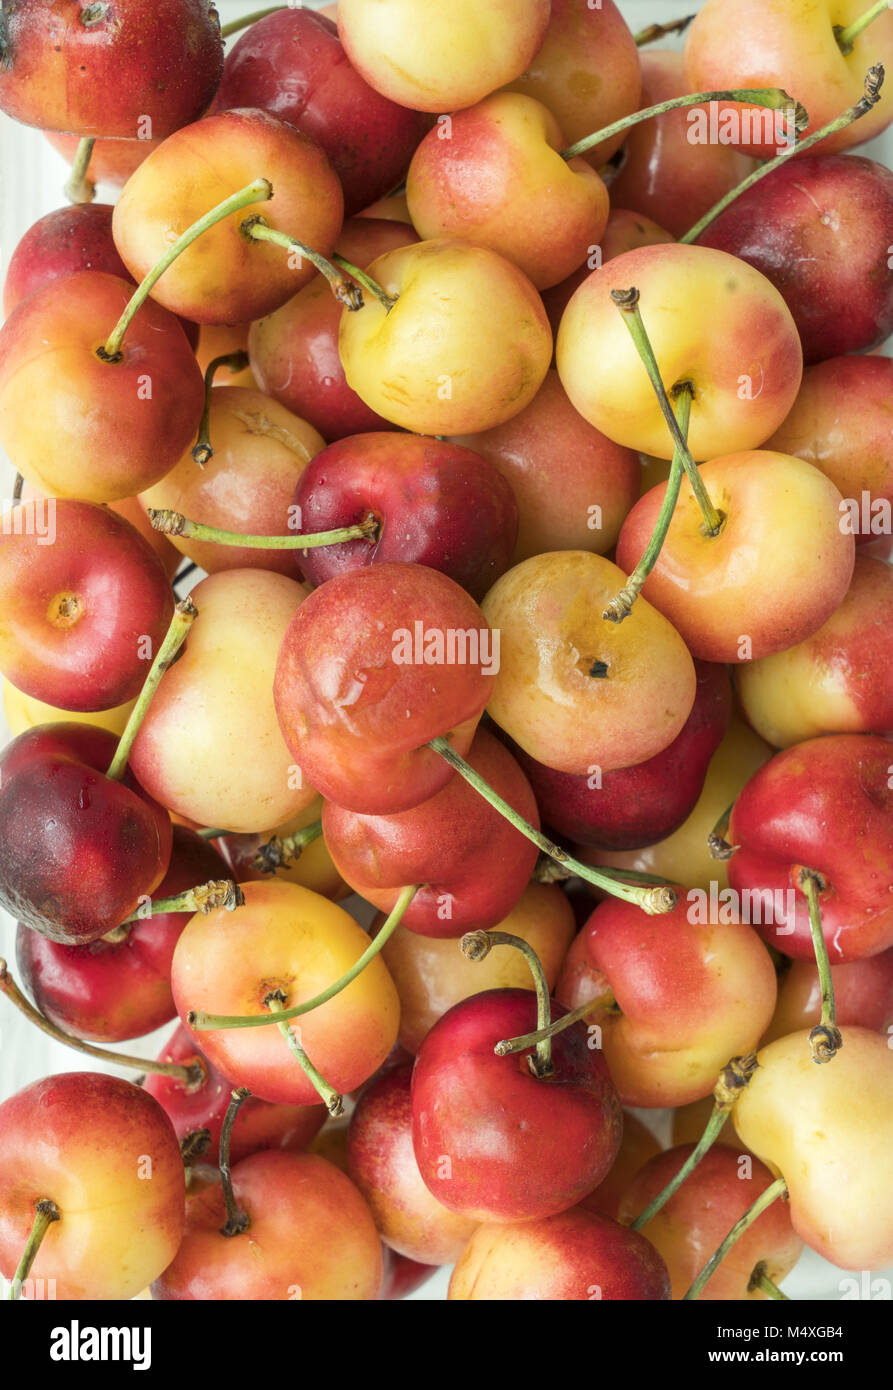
<point>627,302</point>
<point>46,1213</point>
<point>765,1199</point>
<point>185,614</point>
<point>192,1077</point>
<point>256,229</point>
<point>203,1022</point>
<point>621,604</point>
<point>236,362</point>
<point>333,1102</point>
<point>825,1039</point>
<point>237,1220</point>
<point>204,898</point>
<point>717,843</point>
<point>78,188</point>
<point>660,31</point>
<point>387,301</point>
<point>282,852</point>
<point>874,80</point>
<point>731,1083</point>
<point>772,97</point>
<point>236,24</point>
<point>525,1040</point>
<point>175,524</point>
<point>652,900</point>
<point>476,945</point>
<point>759,1279</point>
<point>846,35</point>
<point>256,192</point>
<point>213,834</point>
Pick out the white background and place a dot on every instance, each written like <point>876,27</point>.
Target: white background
<point>32,175</point>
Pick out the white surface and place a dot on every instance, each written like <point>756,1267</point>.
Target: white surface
<point>32,175</point>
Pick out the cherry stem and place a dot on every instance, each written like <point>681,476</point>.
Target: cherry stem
<point>203,1022</point>
<point>192,1077</point>
<point>213,834</point>
<point>18,488</point>
<point>772,97</point>
<point>202,451</point>
<point>759,1279</point>
<point>185,614</point>
<point>732,1080</point>
<point>874,80</point>
<point>171,523</point>
<point>825,1040</point>
<point>659,31</point>
<point>387,301</point>
<point>547,871</point>
<point>659,899</point>
<point>280,852</point>
<point>204,898</point>
<point>717,843</point>
<point>765,1199</point>
<point>519,1044</point>
<point>333,1102</point>
<point>476,945</point>
<point>78,188</point>
<point>237,1220</point>
<point>257,191</point>
<point>846,35</point>
<point>46,1213</point>
<point>627,302</point>
<point>621,604</point>
<point>236,24</point>
<point>257,229</point>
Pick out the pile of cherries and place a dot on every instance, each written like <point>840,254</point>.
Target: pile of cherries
<point>539,462</point>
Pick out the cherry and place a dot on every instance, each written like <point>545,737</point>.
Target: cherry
<point>59,244</point>
<point>637,1146</point>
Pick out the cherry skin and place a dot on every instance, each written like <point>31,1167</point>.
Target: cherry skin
<point>500,181</point>
<point>573,486</point>
<point>664,174</point>
<point>292,64</point>
<point>635,806</point>
<point>687,292</point>
<point>690,994</point>
<point>793,46</point>
<point>625,231</point>
<point>636,1147</point>
<point>357,708</point>
<point>586,71</point>
<point>108,991</point>
<point>313,869</point>
<point>23,712</point>
<point>152,394</point>
<point>575,692</point>
<point>472,864</point>
<point>741,594</point>
<point>402,1276</point>
<point>576,1255</point>
<point>111,161</point>
<point>827,1131</point>
<point>76,1138</point>
<point>424,364</point>
<point>430,58</point>
<point>863,995</point>
<point>840,423</point>
<point>59,244</point>
<point>225,277</point>
<point>820,230</point>
<point>780,825</point>
<point>382,1163</point>
<point>496,1143</point>
<point>836,681</point>
<point>431,975</point>
<point>258,1124</point>
<point>87,605</point>
<point>294,351</point>
<point>142,70</point>
<point>260,452</point>
<point>437,504</point>
<point>219,696</point>
<point>698,1217</point>
<point>316,1233</point>
<point>286,938</point>
<point>79,850</point>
